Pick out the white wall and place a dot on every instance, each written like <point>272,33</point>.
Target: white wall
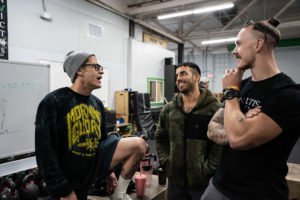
<point>145,61</point>
<point>287,59</point>
<point>32,39</point>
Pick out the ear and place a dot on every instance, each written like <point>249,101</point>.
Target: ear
<point>259,45</point>
<point>80,71</point>
<point>197,77</point>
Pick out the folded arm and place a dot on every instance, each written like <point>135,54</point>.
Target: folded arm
<point>246,133</point>
<point>216,131</point>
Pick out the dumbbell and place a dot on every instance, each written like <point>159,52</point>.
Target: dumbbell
<point>9,191</point>
<point>40,183</point>
<point>29,190</point>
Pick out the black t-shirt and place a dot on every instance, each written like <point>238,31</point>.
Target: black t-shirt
<point>69,128</point>
<point>259,173</point>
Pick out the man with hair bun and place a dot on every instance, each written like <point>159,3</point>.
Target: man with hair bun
<point>260,122</point>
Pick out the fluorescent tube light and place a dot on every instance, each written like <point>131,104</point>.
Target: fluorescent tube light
<point>218,41</point>
<point>213,8</point>
<point>178,14</point>
<point>197,11</point>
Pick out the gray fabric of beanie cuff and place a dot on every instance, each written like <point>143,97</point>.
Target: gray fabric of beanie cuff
<point>73,61</point>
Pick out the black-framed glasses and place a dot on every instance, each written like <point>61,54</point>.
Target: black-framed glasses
<point>256,26</point>
<point>96,66</point>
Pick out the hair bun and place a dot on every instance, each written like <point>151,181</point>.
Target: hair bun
<point>274,22</point>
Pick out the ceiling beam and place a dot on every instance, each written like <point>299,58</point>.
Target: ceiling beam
<point>167,35</point>
<point>180,25</point>
<point>195,25</point>
<point>155,21</point>
<point>238,16</point>
<point>194,45</point>
<point>287,25</point>
<point>160,6</point>
<point>284,8</point>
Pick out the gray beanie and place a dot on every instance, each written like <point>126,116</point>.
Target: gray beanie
<point>73,61</point>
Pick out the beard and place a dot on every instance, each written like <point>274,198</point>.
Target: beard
<point>188,88</point>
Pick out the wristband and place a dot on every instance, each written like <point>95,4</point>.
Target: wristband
<point>234,87</point>
<point>231,87</point>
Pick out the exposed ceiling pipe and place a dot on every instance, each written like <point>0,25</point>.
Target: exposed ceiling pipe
<point>45,15</point>
<point>158,7</point>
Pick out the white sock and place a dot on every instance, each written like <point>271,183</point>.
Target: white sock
<point>121,187</point>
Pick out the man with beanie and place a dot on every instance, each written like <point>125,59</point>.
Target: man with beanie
<point>71,143</point>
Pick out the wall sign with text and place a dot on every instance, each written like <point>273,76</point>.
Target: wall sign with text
<point>3,30</point>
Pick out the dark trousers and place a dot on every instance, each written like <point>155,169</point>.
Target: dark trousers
<point>212,193</point>
<point>177,193</point>
<point>79,197</point>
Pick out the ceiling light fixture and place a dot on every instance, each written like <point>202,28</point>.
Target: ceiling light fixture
<point>218,41</point>
<point>197,11</point>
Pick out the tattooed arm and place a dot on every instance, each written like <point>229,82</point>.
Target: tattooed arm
<point>216,130</point>
<point>246,133</point>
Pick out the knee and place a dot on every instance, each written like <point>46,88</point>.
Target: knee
<point>141,146</point>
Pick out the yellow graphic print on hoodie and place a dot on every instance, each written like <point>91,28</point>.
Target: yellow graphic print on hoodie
<point>84,130</point>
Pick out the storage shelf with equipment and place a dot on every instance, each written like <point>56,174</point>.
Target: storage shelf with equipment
<point>123,105</point>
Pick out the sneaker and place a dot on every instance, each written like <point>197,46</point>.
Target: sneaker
<point>125,197</point>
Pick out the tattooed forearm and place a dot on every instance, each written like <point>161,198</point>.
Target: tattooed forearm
<point>219,116</point>
<point>221,135</point>
<point>216,131</point>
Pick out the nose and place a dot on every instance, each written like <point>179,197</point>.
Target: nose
<point>101,71</point>
<point>234,52</point>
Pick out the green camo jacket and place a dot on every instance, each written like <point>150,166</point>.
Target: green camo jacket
<point>183,147</point>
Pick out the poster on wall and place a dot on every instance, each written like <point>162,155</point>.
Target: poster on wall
<point>3,30</point>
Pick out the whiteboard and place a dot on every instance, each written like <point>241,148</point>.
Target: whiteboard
<point>59,79</point>
<point>22,87</point>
